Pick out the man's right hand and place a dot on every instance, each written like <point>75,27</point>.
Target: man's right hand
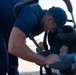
<point>52,59</point>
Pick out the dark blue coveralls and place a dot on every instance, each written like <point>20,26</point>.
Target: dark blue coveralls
<point>9,62</point>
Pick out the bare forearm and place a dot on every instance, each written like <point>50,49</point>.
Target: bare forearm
<point>24,52</point>
<point>17,47</point>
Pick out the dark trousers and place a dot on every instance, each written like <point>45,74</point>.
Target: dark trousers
<point>13,65</point>
<point>8,62</point>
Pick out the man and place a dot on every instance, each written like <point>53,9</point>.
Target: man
<point>29,20</point>
<point>8,62</point>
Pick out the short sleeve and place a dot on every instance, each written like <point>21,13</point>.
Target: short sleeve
<point>28,18</point>
<point>23,26</point>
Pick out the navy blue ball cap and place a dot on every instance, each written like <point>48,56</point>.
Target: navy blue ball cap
<point>59,16</point>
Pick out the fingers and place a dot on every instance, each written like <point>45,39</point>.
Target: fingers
<point>52,58</point>
<point>55,56</point>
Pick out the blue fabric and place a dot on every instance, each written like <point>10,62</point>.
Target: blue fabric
<point>28,18</point>
<point>3,56</point>
<point>75,58</point>
<point>6,13</point>
<point>8,18</point>
<point>62,55</point>
<point>13,65</point>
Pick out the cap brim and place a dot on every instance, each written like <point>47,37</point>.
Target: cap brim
<point>59,29</point>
